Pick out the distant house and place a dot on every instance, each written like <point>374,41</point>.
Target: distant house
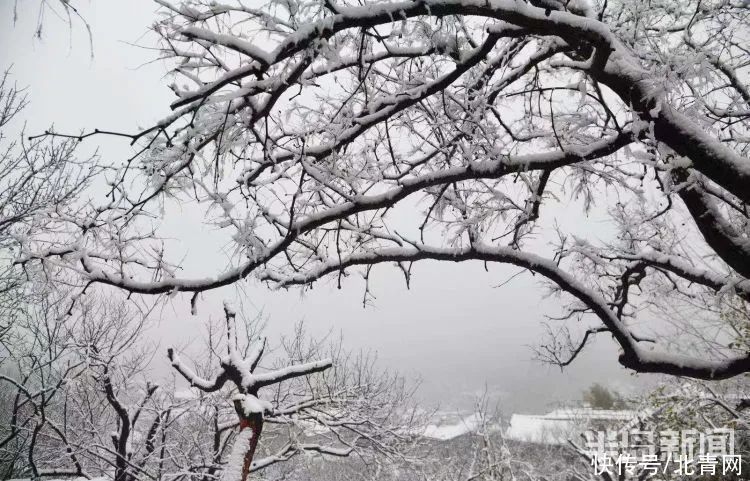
<point>560,425</point>
<point>444,429</point>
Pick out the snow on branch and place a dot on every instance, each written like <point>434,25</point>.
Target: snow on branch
<point>634,356</point>
<point>191,377</point>
<point>241,371</point>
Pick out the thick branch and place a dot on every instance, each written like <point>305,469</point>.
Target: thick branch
<point>195,380</point>
<point>729,244</point>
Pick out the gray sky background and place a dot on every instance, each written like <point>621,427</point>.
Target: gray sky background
<point>453,328</point>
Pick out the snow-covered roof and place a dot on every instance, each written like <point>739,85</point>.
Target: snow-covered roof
<point>560,425</point>
<point>444,432</point>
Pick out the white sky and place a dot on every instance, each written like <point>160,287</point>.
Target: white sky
<point>453,328</point>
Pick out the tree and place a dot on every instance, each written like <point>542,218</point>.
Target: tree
<point>305,129</point>
<point>488,456</point>
<point>76,399</point>
<point>599,397</point>
<point>82,400</point>
<point>37,178</point>
<point>65,371</point>
<point>240,370</point>
<point>353,409</point>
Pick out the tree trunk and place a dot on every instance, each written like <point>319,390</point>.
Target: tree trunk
<point>254,422</point>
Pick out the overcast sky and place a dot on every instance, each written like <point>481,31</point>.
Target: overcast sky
<point>454,328</point>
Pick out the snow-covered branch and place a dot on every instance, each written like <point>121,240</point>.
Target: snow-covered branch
<point>634,355</point>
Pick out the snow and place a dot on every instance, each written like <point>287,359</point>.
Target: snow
<point>560,425</point>
<point>445,432</point>
<point>252,405</point>
<point>236,460</point>
<point>239,371</point>
<point>288,372</point>
<point>189,374</point>
<point>229,41</point>
<point>326,449</point>
<point>538,429</point>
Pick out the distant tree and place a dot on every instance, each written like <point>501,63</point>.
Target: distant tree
<point>352,409</point>
<point>78,398</point>
<point>62,370</point>
<point>599,397</point>
<point>38,179</point>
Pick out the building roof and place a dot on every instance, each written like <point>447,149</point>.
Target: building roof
<point>560,425</point>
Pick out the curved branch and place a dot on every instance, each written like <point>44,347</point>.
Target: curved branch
<point>724,239</point>
<point>680,267</point>
<point>490,169</point>
<point>633,356</point>
<point>195,380</point>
